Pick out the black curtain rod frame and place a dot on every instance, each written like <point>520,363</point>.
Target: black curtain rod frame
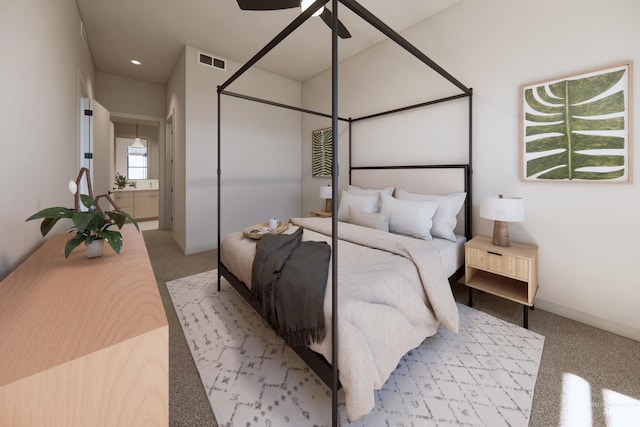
<point>275,42</point>
<point>326,115</point>
<point>279,104</point>
<point>404,43</point>
<point>390,33</point>
<point>366,16</point>
<point>412,107</point>
<point>335,381</point>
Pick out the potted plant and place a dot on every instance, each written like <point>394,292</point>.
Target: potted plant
<point>120,181</point>
<point>92,226</point>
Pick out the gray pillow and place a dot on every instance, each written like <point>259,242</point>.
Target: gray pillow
<point>379,221</point>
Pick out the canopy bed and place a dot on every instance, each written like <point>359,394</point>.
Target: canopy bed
<point>405,257</point>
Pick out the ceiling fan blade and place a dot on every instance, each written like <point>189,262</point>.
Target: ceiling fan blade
<point>267,4</point>
<point>342,30</point>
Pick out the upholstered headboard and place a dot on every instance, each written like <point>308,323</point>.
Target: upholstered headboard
<point>423,180</point>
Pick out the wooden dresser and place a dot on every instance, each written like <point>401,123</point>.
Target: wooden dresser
<point>84,342</point>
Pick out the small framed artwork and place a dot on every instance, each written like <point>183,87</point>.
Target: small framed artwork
<point>577,128</point>
<point>322,152</point>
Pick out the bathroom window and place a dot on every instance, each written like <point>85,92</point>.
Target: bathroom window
<point>137,162</point>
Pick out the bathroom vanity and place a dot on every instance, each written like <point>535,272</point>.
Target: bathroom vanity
<point>139,202</point>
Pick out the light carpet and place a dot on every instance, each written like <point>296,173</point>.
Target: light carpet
<point>483,376</point>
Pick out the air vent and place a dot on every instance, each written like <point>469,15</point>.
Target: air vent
<point>212,61</point>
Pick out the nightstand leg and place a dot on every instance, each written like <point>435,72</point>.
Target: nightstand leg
<point>526,317</point>
<point>470,298</point>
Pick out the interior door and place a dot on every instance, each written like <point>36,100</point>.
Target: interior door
<point>96,145</point>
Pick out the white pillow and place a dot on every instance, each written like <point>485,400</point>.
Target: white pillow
<point>411,217</point>
<point>354,189</point>
<point>445,219</point>
<point>365,203</point>
<point>379,221</point>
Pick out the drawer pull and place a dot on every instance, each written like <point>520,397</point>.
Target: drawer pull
<point>494,253</point>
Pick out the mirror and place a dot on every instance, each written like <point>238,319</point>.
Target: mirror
<point>132,160</point>
<point>140,165</point>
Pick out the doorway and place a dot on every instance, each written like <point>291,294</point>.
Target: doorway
<point>144,169</point>
<point>96,144</point>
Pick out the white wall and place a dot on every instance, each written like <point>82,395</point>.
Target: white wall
<point>43,59</point>
<point>129,99</point>
<point>124,95</point>
<point>261,151</point>
<point>176,94</point>
<point>586,232</point>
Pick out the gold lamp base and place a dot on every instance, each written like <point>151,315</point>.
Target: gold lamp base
<point>501,234</point>
<point>328,205</point>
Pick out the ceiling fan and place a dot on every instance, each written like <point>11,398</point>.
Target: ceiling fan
<point>323,12</point>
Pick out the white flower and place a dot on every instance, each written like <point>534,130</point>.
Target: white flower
<point>73,187</point>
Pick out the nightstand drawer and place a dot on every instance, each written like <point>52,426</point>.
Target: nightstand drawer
<point>507,265</point>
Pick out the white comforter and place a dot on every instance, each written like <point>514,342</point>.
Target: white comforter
<point>393,293</point>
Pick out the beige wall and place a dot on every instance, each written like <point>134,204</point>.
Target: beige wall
<point>261,152</point>
<point>43,62</point>
<point>124,95</point>
<point>176,94</point>
<point>128,100</point>
<point>586,232</point>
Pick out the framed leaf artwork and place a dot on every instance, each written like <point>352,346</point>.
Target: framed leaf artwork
<point>577,128</point>
<point>322,152</point>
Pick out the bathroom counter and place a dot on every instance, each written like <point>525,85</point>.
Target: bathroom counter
<point>141,203</point>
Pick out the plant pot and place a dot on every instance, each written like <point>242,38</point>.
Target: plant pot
<point>94,249</point>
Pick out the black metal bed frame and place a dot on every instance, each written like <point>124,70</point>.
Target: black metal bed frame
<point>329,372</point>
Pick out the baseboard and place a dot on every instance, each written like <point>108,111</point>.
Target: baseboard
<point>199,249</point>
<point>180,246</point>
<point>589,319</point>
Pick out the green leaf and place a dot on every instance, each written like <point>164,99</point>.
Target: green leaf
<point>113,238</point>
<point>82,220</point>
<point>571,117</point>
<point>72,244</point>
<point>322,149</point>
<point>120,217</point>
<point>55,212</point>
<point>87,201</point>
<point>47,224</point>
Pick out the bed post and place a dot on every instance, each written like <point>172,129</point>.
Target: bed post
<point>334,215</point>
<point>219,186</point>
<point>468,186</point>
<point>355,7</point>
<point>350,150</point>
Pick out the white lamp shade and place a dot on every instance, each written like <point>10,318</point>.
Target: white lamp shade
<point>498,208</point>
<point>137,143</point>
<point>325,192</point>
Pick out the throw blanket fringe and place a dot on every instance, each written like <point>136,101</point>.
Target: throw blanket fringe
<point>289,280</point>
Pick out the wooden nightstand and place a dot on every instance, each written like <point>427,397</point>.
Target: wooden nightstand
<point>322,214</point>
<point>508,272</point>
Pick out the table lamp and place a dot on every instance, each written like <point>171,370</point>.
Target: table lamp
<point>502,210</point>
<point>327,194</point>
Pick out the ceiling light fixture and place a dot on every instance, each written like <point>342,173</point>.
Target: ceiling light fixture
<point>137,143</point>
<point>304,5</point>
<point>136,62</point>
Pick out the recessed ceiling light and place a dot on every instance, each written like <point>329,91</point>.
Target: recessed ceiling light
<point>135,62</point>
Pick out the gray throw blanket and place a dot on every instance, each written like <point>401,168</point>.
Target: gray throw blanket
<point>289,278</point>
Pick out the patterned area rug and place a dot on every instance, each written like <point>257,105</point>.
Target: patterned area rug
<point>483,376</point>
